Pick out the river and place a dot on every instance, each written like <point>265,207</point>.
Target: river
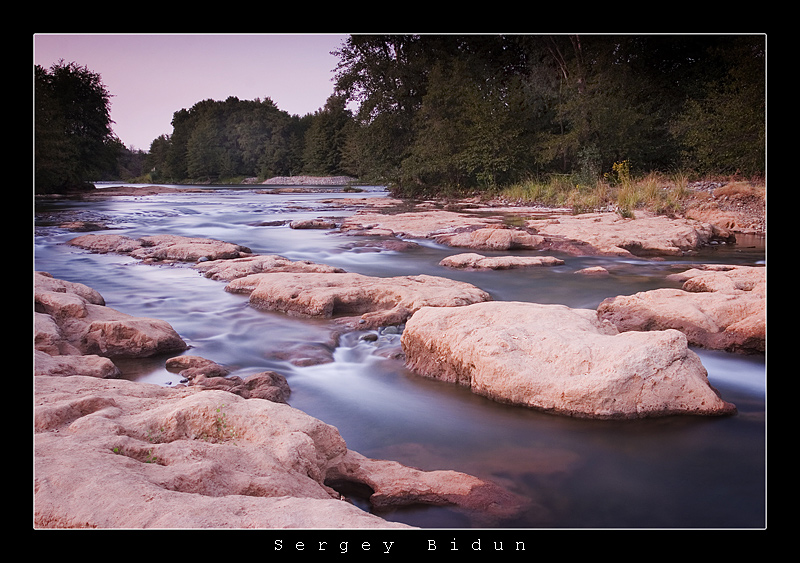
<point>676,472</point>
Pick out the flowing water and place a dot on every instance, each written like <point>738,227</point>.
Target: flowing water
<point>676,472</point>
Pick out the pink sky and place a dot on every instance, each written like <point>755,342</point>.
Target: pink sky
<point>150,77</point>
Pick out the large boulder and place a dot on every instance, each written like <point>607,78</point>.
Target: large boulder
<point>72,319</point>
<point>120,454</point>
<point>718,307</point>
<point>560,360</point>
<point>373,301</point>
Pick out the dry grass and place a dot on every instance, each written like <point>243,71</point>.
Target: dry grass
<point>653,192</point>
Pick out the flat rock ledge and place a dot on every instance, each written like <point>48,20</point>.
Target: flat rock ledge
<point>356,300</point>
<point>230,269</point>
<point>215,259</point>
<point>161,248</point>
<point>719,307</point>
<point>590,234</point>
<point>647,234</point>
<point>474,261</point>
<point>120,454</point>
<point>560,360</point>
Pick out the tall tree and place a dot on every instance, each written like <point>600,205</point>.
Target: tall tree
<point>73,139</point>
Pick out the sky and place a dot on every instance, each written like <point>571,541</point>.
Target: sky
<point>150,77</point>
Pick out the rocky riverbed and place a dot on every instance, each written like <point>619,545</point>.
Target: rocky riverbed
<point>113,453</point>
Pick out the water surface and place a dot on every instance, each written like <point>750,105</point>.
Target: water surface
<point>677,472</point>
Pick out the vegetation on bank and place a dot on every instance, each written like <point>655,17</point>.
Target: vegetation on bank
<point>582,121</point>
<point>618,191</point>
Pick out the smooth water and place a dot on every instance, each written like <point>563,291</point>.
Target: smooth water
<point>676,472</point>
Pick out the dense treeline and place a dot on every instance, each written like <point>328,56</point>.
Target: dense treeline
<point>481,111</point>
<point>436,113</point>
<point>225,140</point>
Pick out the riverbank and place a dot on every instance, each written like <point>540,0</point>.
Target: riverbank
<point>738,206</point>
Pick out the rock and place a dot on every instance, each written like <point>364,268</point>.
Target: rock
<point>83,226</point>
<point>103,244</point>
<point>79,324</point>
<point>390,243</point>
<point>375,301</point>
<point>190,367</point>
<point>414,224</point>
<point>210,375</point>
<point>608,234</point>
<point>227,270</point>
<point>560,360</point>
<point>45,282</point>
<point>734,206</point>
<point>305,354</point>
<point>589,234</point>
<point>119,454</point>
<point>267,385</point>
<point>63,366</point>
<point>719,307</point>
<point>473,261</point>
<point>723,278</point>
<point>593,271</point>
<point>162,247</point>
<point>493,238</point>
<point>312,224</point>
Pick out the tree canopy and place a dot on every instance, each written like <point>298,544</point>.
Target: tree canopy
<point>475,111</point>
<point>433,113</point>
<point>73,140</point>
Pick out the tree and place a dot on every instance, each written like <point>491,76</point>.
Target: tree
<point>156,160</point>
<point>73,140</point>
<point>723,130</point>
<point>222,139</point>
<point>326,136</point>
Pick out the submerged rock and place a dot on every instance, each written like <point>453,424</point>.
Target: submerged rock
<point>373,301</point>
<point>719,307</point>
<point>560,360</point>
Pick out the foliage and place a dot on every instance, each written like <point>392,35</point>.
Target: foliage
<point>724,130</point>
<point>442,114</point>
<point>73,139</point>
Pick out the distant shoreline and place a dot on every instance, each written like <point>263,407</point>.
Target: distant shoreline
<point>310,181</point>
